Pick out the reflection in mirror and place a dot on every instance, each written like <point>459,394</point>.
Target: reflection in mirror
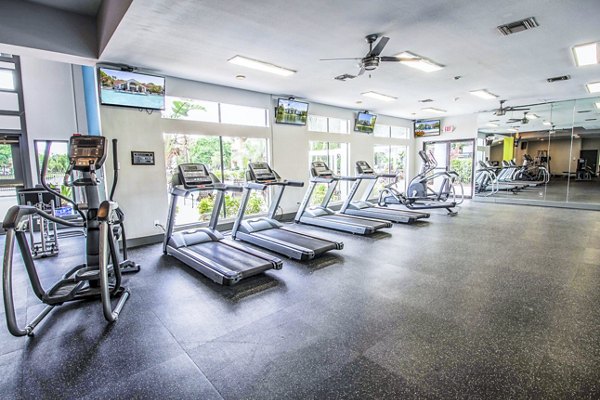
<point>584,185</point>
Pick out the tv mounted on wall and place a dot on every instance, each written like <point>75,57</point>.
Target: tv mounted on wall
<point>131,89</point>
<point>291,111</point>
<point>427,127</point>
<point>365,122</point>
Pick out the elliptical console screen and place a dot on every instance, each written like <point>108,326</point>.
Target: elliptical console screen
<point>85,151</point>
<point>193,175</point>
<point>363,167</point>
<point>261,172</point>
<point>319,168</point>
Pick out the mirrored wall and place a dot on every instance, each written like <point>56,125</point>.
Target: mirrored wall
<point>544,154</point>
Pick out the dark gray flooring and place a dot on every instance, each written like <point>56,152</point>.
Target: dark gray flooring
<point>498,302</point>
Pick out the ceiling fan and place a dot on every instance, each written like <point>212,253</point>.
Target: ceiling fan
<point>523,120</point>
<point>372,59</point>
<point>503,110</point>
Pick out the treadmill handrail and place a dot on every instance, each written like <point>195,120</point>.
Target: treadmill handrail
<point>281,183</point>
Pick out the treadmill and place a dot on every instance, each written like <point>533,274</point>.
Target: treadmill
<point>268,233</point>
<point>327,218</point>
<point>206,250</point>
<point>364,208</point>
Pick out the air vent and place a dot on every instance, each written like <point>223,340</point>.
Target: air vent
<point>425,101</point>
<point>518,26</point>
<point>591,119</point>
<point>344,77</point>
<point>584,111</point>
<point>559,78</point>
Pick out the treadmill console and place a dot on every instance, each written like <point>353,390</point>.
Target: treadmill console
<point>318,169</point>
<point>87,151</point>
<point>194,175</point>
<point>261,172</point>
<point>363,168</point>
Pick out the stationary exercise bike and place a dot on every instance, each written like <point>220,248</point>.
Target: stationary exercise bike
<point>100,276</point>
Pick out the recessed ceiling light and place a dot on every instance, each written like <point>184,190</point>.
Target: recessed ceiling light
<point>593,87</point>
<point>484,94</point>
<point>491,125</point>
<point>547,123</point>
<point>261,66</point>
<point>586,54</point>
<point>418,62</point>
<point>379,96</point>
<point>240,77</point>
<point>434,110</point>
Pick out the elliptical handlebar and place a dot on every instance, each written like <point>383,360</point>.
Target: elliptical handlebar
<point>115,169</point>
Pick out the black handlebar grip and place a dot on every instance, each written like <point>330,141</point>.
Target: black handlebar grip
<point>115,159</point>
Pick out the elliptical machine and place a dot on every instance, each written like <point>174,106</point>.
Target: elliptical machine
<point>100,276</point>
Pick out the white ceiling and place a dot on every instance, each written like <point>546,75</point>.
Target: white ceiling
<point>194,39</point>
<point>84,7</point>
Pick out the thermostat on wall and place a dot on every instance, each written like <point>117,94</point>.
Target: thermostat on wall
<point>142,158</point>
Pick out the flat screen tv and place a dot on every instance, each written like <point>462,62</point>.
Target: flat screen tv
<point>365,122</point>
<point>427,127</point>
<point>131,89</point>
<point>290,111</point>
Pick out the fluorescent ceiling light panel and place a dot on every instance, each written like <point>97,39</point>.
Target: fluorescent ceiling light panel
<point>484,94</point>
<point>418,62</point>
<point>512,130</point>
<point>586,54</point>
<point>379,96</point>
<point>491,125</point>
<point>593,87</point>
<point>261,66</point>
<point>598,105</point>
<point>547,123</point>
<point>532,116</point>
<point>434,110</point>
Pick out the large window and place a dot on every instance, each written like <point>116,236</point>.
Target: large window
<point>390,159</point>
<point>317,123</point>
<point>390,131</point>
<point>227,158</point>
<point>336,157</point>
<point>210,111</point>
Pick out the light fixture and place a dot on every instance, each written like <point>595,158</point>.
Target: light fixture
<point>484,94</point>
<point>547,123</point>
<point>379,96</point>
<point>491,125</point>
<point>418,62</point>
<point>261,66</point>
<point>434,110</point>
<point>240,77</point>
<point>512,130</point>
<point>593,87</point>
<point>586,54</point>
<point>532,116</point>
<point>598,105</point>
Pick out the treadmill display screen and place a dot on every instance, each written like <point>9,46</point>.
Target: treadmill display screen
<point>194,175</point>
<point>363,167</point>
<point>319,168</point>
<point>261,172</point>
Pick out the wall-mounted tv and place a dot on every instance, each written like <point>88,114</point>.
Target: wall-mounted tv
<point>427,127</point>
<point>365,122</point>
<point>290,111</point>
<point>131,89</point>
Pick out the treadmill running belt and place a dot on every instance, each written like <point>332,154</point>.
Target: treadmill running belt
<point>227,256</point>
<point>315,244</point>
<point>347,219</point>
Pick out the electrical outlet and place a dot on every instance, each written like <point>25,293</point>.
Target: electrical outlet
<point>156,222</point>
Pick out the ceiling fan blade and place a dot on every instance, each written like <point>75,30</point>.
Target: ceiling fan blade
<point>337,59</point>
<point>398,59</point>
<point>362,71</point>
<point>379,48</point>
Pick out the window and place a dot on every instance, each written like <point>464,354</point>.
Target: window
<point>336,157</point>
<point>390,160</point>
<point>316,123</point>
<point>381,130</point>
<point>227,158</point>
<point>242,115</point>
<point>399,132</point>
<point>326,124</point>
<point>191,110</point>
<point>210,111</point>
<point>6,79</point>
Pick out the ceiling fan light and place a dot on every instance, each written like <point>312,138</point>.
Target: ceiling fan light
<point>483,94</point>
<point>379,96</point>
<point>586,54</point>
<point>261,66</point>
<point>418,62</point>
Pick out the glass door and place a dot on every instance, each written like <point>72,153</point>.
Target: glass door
<point>457,156</point>
<point>11,177</point>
